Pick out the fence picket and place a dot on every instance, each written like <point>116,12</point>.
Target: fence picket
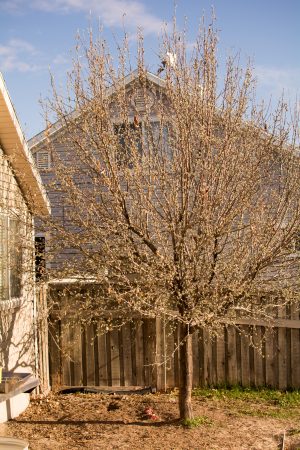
<point>220,353</point>
<point>231,375</point>
<point>282,353</point>
<point>258,357</point>
<point>90,355</point>
<point>103,359</point>
<point>127,359</point>
<point>295,351</point>
<point>115,357</point>
<point>65,353</point>
<point>245,356</point>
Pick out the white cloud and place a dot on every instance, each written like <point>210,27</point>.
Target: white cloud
<point>131,13</point>
<point>61,59</point>
<point>17,55</point>
<point>279,80</point>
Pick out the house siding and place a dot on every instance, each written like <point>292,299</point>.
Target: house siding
<point>60,151</point>
<point>17,351</point>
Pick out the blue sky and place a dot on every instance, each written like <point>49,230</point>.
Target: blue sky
<point>38,34</point>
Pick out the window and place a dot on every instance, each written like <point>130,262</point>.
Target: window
<point>43,160</point>
<point>134,136</point>
<point>130,137</point>
<point>10,258</point>
<point>40,262</point>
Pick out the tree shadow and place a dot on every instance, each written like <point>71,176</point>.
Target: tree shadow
<point>17,339</point>
<point>139,423</point>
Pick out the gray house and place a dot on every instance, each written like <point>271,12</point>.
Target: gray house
<point>45,161</point>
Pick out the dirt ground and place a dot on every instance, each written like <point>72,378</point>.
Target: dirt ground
<point>97,421</point>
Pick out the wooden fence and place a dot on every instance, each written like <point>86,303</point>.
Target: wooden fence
<point>145,352</point>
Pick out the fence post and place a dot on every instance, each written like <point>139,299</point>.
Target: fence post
<point>42,339</point>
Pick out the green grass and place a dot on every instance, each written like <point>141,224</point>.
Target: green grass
<point>263,395</point>
<point>261,402</point>
<point>196,422</point>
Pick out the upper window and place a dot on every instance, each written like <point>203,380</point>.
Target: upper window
<point>40,260</point>
<point>130,137</point>
<point>43,160</point>
<point>10,258</point>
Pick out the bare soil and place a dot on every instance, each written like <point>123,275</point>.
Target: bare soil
<point>97,421</point>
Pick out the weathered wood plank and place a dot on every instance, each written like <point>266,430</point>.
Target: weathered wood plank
<point>163,354</point>
<point>238,356</point>
<point>159,358</point>
<point>149,352</point>
<point>139,356</point>
<point>65,349</point>
<point>214,373</point>
<point>114,357</point>
<point>202,357</point>
<point>169,336</point>
<point>282,353</point>
<point>96,354</point>
<point>55,354</point>
<point>121,357</point>
<point>231,356</point>
<point>90,355</point>
<point>76,355</point>
<point>220,350</point>
<point>177,354</point>
<point>245,356</point>
<point>127,356</point>
<point>208,368</point>
<point>43,341</point>
<point>83,356</point>
<point>103,360</point>
<point>196,367</point>
<point>270,358</point>
<point>258,357</point>
<point>295,350</point>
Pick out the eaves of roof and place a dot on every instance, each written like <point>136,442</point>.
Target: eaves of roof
<point>14,145</point>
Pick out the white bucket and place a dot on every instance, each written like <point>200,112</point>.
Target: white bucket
<point>10,443</point>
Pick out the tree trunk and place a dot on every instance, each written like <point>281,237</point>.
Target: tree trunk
<point>186,373</point>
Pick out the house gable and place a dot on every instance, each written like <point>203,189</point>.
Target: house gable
<point>37,142</point>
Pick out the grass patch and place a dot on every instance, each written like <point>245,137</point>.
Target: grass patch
<point>288,399</point>
<point>196,422</point>
<point>275,413</point>
<point>256,402</point>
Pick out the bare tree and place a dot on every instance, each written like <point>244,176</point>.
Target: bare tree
<point>182,198</point>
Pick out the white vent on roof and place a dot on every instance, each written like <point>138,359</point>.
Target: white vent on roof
<point>138,100</point>
<point>43,160</point>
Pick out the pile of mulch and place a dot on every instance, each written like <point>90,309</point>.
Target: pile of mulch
<point>97,421</point>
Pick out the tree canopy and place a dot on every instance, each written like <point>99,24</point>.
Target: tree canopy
<point>181,194</point>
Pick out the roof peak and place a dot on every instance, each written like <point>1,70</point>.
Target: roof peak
<point>41,136</point>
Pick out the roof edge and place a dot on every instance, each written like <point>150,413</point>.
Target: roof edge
<point>14,145</point>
